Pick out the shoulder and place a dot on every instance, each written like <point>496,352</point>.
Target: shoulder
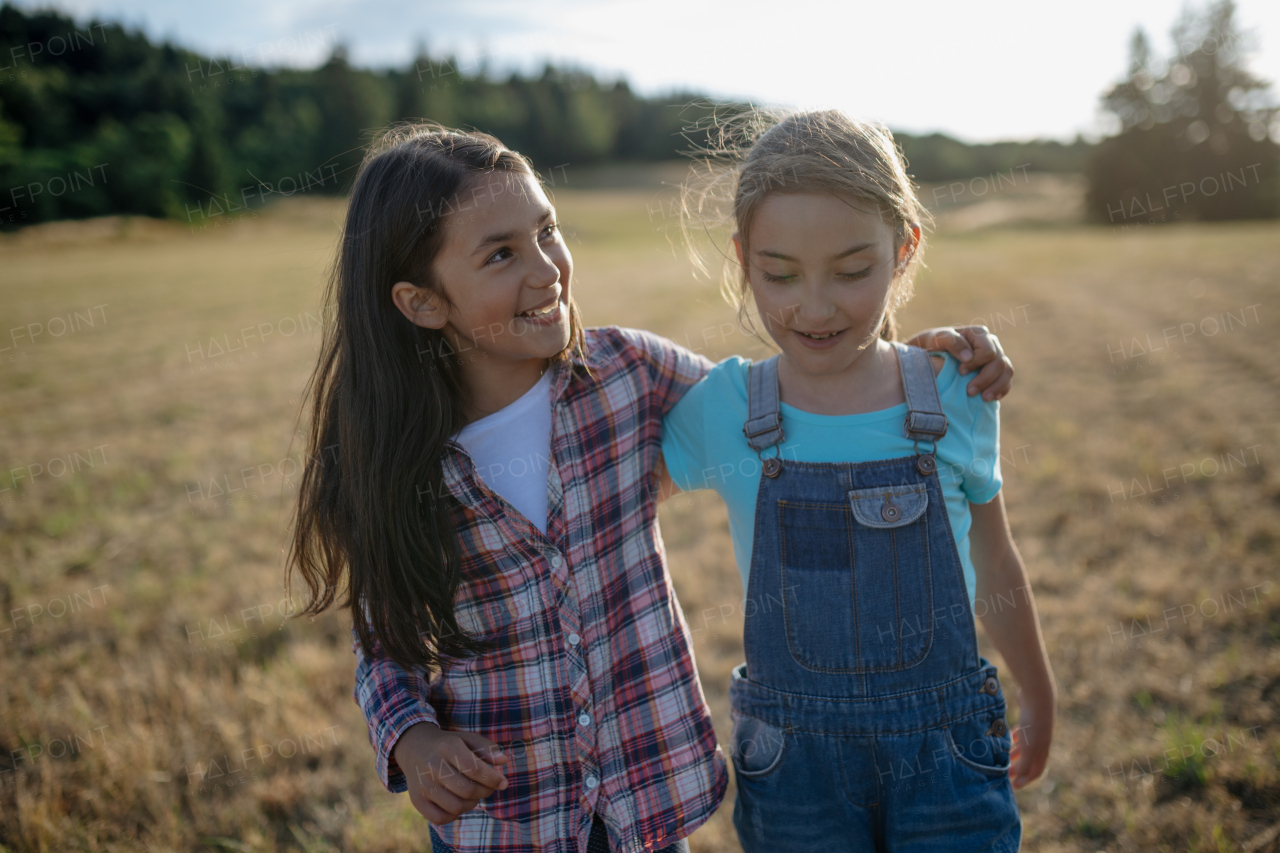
<point>620,340</point>
<point>953,390</point>
<point>605,343</point>
<point>730,374</point>
<point>725,385</point>
<point>939,361</point>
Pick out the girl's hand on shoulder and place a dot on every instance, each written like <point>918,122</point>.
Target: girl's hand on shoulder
<point>1031,741</point>
<point>448,773</point>
<point>978,350</point>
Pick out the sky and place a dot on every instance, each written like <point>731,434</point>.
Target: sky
<point>979,71</point>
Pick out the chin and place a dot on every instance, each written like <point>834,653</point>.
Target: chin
<point>555,343</point>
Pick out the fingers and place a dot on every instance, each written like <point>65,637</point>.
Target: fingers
<point>950,340</point>
<point>986,347</point>
<point>477,763</point>
<point>1018,770</point>
<point>451,804</point>
<point>994,380</point>
<point>456,783</point>
<point>450,772</point>
<point>1025,764</point>
<point>441,807</point>
<point>463,773</point>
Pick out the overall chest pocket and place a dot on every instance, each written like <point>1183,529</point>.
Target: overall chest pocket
<point>857,588</point>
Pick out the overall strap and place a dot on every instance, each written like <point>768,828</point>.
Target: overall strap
<point>925,420</point>
<point>764,416</point>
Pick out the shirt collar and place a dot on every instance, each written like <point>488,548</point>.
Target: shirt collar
<point>580,363</point>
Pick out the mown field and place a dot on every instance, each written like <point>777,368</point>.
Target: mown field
<point>155,695</point>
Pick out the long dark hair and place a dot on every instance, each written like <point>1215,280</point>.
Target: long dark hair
<point>384,398</point>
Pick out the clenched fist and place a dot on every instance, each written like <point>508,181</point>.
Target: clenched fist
<point>448,772</point>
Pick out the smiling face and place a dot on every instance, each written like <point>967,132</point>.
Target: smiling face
<point>505,271</point>
<point>821,269</point>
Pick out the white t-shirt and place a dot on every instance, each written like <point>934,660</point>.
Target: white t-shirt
<point>510,449</point>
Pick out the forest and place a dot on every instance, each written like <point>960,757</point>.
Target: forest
<point>97,119</point>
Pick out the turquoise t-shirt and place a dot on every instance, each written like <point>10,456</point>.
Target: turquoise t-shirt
<point>704,448</point>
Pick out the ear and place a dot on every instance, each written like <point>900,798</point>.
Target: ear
<point>737,248</point>
<point>909,244</point>
<point>421,306</point>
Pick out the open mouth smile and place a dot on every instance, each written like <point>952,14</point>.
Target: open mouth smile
<point>540,312</point>
<point>548,312</point>
<point>819,340</point>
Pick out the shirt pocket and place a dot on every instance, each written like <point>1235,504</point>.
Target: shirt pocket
<point>492,617</point>
<point>497,606</point>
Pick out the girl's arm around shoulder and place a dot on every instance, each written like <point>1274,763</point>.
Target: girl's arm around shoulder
<point>672,369</point>
<point>1014,628</point>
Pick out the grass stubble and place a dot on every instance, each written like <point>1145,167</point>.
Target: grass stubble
<point>155,693</point>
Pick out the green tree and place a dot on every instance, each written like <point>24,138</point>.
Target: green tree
<point>1195,134</point>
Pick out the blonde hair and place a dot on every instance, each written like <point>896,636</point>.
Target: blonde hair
<point>759,152</point>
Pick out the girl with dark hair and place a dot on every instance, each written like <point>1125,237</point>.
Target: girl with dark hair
<point>482,496</point>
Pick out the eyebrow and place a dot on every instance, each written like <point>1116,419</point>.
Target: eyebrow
<point>547,213</point>
<point>852,250</point>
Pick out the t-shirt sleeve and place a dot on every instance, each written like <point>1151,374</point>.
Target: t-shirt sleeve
<point>983,477</point>
<point>673,368</point>
<point>684,446</point>
<point>973,432</point>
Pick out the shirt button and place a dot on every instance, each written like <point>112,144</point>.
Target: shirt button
<point>556,562</point>
<point>584,719</point>
<point>591,782</point>
<point>574,639</point>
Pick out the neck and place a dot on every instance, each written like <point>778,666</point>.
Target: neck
<point>492,384</point>
<point>869,383</point>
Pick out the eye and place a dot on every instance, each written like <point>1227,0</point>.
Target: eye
<point>550,230</point>
<point>500,255</point>
<point>854,276</point>
<point>780,279</point>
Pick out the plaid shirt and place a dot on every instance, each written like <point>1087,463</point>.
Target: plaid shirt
<point>591,687</point>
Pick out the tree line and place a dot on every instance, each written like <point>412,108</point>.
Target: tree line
<point>96,119</point>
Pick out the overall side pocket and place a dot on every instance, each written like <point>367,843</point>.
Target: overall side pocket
<point>982,743</point>
<point>756,747</point>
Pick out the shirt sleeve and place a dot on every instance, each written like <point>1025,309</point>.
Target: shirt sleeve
<point>983,477</point>
<point>684,446</point>
<point>673,368</point>
<point>392,699</point>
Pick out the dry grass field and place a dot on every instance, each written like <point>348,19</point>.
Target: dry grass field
<point>154,695</point>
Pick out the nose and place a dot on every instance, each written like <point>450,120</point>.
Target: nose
<point>814,307</point>
<point>544,272</point>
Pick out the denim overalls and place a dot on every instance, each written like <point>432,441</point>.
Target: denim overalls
<point>864,718</point>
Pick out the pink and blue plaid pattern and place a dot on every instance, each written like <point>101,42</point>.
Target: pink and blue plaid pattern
<point>591,686</point>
